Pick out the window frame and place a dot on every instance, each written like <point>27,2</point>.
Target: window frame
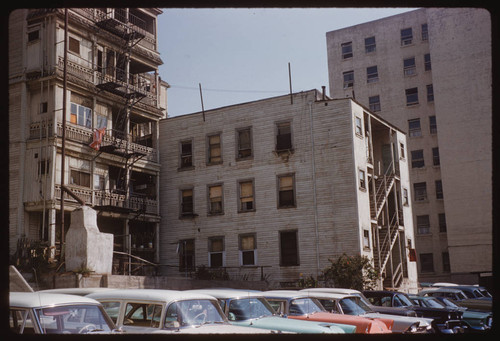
<point>423,224</point>
<point>370,47</point>
<point>280,145</point>
<point>279,191</point>
<point>295,251</point>
<point>427,62</point>
<point>79,172</point>
<point>212,148</point>
<point>417,158</point>
<point>183,255</point>
<point>432,125</point>
<point>420,193</point>
<point>406,35</point>
<point>411,96</point>
<point>409,67</point>
<point>212,252</point>
<point>182,212</point>
<point>348,79</point>
<point>374,106</point>
<point>241,250</point>
<point>239,148</point>
<point>240,197</point>
<point>414,132</point>
<point>430,93</point>
<point>438,185</point>
<point>210,211</point>
<point>72,45</point>
<point>362,179</point>
<point>344,47</point>
<point>81,116</point>
<point>182,156</point>
<point>426,265</point>
<point>371,77</point>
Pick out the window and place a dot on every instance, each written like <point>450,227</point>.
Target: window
<point>43,107</point>
<point>423,224</point>
<point>74,45</point>
<point>216,254</point>
<point>406,36</point>
<point>427,62</point>
<point>430,93</point>
<point>348,79</point>
<point>186,255</point>
<point>289,253</point>
<point>405,197</point>
<point>414,129</point>
<point>432,125</point>
<point>420,190</point>
<point>411,96</point>
<point>80,115</point>
<point>442,222</point>
<point>366,239</point>
<point>186,154</point>
<point>417,158</point>
<point>44,167</point>
<point>215,202</point>
<point>346,50</point>
<point>446,261</point>
<point>435,156</point>
<point>402,154</point>
<point>214,150</point>
<point>362,179</point>
<point>426,262</point>
<point>409,67</point>
<point>370,45</point>
<point>374,103</point>
<point>371,74</point>
<point>246,202</point>
<point>99,182</point>
<point>425,32</point>
<point>359,127</point>
<point>286,195</point>
<point>244,137</point>
<point>247,249</point>
<point>283,136</point>
<point>187,202</point>
<point>102,121</point>
<point>33,35</point>
<point>439,189</point>
<point>143,314</point>
<point>79,178</point>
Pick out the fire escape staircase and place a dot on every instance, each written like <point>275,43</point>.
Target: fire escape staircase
<point>387,235</point>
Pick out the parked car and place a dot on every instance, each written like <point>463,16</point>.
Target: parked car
<point>167,311</point>
<point>44,313</point>
<point>76,291</point>
<point>355,305</point>
<point>474,320</point>
<point>444,321</point>
<point>251,309</point>
<point>401,311</point>
<point>482,290</point>
<point>459,297</point>
<point>299,306</point>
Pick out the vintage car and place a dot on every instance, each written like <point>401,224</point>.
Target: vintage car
<point>459,298</point>
<point>474,320</point>
<point>251,309</point>
<point>355,305</point>
<point>401,311</point>
<point>44,313</point>
<point>167,311</point>
<point>483,292</point>
<point>299,306</point>
<point>446,322</point>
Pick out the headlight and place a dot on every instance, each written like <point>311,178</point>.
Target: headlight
<point>413,328</point>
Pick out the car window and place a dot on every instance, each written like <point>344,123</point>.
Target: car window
<point>435,303</point>
<point>248,308</point>
<point>277,305</point>
<point>329,305</point>
<point>351,307</point>
<point>142,315</point>
<point>303,306</point>
<point>72,319</point>
<point>403,301</point>
<point>193,313</point>
<point>112,309</point>
<point>20,321</point>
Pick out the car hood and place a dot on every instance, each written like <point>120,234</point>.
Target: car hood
<point>363,325</point>
<point>295,326</point>
<point>394,311</point>
<point>215,329</point>
<point>401,323</point>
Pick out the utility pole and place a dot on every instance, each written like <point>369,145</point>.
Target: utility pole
<point>63,143</point>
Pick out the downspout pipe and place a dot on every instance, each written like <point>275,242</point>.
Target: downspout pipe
<point>313,163</point>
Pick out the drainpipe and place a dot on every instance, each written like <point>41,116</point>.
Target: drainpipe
<point>314,188</point>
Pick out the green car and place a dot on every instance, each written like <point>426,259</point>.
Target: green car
<point>476,320</point>
<point>251,309</point>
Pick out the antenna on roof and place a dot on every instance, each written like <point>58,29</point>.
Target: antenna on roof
<point>290,82</point>
<point>202,107</point>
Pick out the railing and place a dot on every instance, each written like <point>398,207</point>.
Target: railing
<point>389,240</point>
<point>382,187</point>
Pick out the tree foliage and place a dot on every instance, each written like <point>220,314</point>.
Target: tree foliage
<point>351,272</point>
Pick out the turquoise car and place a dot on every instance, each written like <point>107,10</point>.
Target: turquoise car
<point>251,309</point>
<point>475,319</point>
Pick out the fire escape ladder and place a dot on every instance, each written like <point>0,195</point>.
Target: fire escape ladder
<point>383,186</point>
<point>389,237</point>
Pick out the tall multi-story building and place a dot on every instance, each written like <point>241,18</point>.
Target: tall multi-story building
<point>107,73</point>
<point>273,189</point>
<point>428,72</point>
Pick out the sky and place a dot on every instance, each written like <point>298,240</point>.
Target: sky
<point>241,55</point>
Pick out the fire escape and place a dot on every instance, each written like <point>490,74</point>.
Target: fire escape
<point>116,79</point>
<point>386,221</point>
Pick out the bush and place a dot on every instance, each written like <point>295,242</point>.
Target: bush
<point>351,272</point>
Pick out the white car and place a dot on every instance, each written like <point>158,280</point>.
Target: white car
<point>167,311</point>
<point>345,301</point>
<point>50,313</point>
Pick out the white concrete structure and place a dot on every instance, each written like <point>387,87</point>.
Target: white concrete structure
<point>428,72</point>
<point>273,189</point>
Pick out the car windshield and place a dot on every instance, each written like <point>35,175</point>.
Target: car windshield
<point>401,300</point>
<point>449,303</point>
<point>303,306</point>
<point>353,306</point>
<point>193,313</point>
<point>73,319</point>
<point>249,308</point>
<point>432,302</point>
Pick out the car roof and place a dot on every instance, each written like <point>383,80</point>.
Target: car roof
<point>159,295</point>
<point>333,290</point>
<point>43,299</point>
<point>284,294</point>
<point>327,294</point>
<point>77,291</point>
<point>442,289</point>
<point>227,293</point>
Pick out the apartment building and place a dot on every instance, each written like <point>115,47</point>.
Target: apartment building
<point>428,72</point>
<point>273,189</point>
<point>106,78</point>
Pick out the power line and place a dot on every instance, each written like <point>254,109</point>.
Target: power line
<point>227,90</point>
